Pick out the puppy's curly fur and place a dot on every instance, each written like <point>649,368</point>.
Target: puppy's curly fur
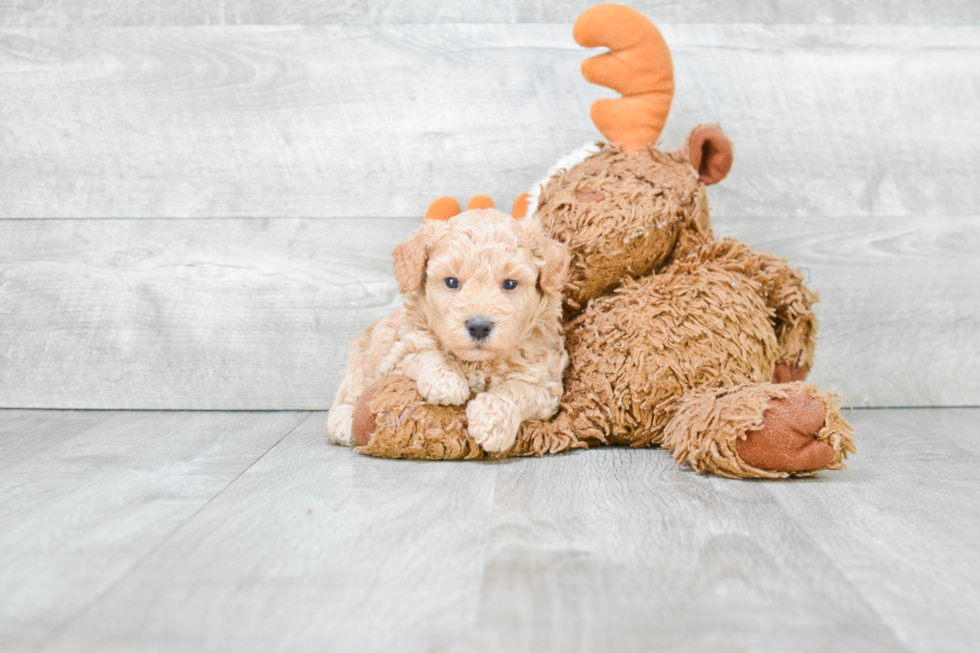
<point>482,314</point>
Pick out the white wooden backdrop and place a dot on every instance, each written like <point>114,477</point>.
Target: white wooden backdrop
<point>198,200</point>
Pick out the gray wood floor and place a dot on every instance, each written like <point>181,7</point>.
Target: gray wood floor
<point>178,531</point>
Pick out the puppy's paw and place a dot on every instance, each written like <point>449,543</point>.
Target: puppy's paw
<point>493,422</point>
<point>340,421</point>
<point>443,388</point>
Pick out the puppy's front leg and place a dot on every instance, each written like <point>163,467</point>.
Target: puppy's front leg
<point>496,415</point>
<point>437,382</point>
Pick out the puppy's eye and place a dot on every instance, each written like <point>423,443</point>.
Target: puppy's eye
<point>510,284</point>
<point>452,283</point>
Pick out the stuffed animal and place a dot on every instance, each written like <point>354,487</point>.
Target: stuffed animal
<point>675,338</point>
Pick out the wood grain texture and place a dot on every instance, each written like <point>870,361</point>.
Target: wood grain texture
<point>66,13</point>
<point>904,523</point>
<point>621,550</point>
<point>234,314</point>
<point>856,152</point>
<point>79,515</point>
<point>899,311</point>
<point>257,314</point>
<point>27,433</point>
<point>364,121</point>
<point>316,548</point>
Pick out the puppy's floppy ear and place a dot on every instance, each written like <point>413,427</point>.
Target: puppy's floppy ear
<point>409,257</point>
<point>553,272</point>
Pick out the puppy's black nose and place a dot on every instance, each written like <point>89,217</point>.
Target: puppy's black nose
<point>479,327</point>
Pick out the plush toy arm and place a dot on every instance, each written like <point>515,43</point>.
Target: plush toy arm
<point>392,421</point>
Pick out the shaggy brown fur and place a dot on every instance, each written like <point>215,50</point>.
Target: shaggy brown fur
<point>706,431</point>
<point>402,428</point>
<point>635,352</point>
<point>620,213</point>
<point>627,214</point>
<point>710,425</point>
<point>673,337</point>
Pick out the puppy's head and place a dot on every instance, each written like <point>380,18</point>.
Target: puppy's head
<point>483,282</point>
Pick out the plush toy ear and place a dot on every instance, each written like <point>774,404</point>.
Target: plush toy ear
<point>519,210</point>
<point>443,209</point>
<point>711,153</point>
<point>409,257</point>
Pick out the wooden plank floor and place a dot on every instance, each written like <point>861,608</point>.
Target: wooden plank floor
<point>177,531</point>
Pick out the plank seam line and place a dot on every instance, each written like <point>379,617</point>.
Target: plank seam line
<point>488,541</point>
<point>57,632</point>
<point>897,638</point>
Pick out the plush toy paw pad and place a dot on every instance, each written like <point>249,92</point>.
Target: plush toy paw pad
<point>363,424</point>
<point>787,373</point>
<point>444,388</point>
<point>787,440</point>
<point>492,422</point>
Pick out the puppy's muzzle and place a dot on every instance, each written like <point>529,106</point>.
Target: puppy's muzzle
<point>479,328</point>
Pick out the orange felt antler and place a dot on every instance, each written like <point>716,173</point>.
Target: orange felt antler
<point>638,66</point>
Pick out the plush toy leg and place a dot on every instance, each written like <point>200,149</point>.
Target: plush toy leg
<point>781,288</point>
<point>392,421</point>
<point>763,430</point>
<point>792,302</point>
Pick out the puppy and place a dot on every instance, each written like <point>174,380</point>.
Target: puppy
<point>481,315</point>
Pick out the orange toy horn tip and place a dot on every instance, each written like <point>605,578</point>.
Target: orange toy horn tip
<point>443,209</point>
<point>480,202</point>
<point>520,207</point>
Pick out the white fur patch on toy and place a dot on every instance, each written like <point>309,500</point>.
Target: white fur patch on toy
<point>566,162</point>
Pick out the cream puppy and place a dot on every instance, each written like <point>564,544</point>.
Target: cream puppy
<point>481,315</point>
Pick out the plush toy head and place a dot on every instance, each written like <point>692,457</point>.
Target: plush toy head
<point>622,209</point>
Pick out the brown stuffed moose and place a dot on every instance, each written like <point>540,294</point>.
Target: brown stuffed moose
<point>675,338</point>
